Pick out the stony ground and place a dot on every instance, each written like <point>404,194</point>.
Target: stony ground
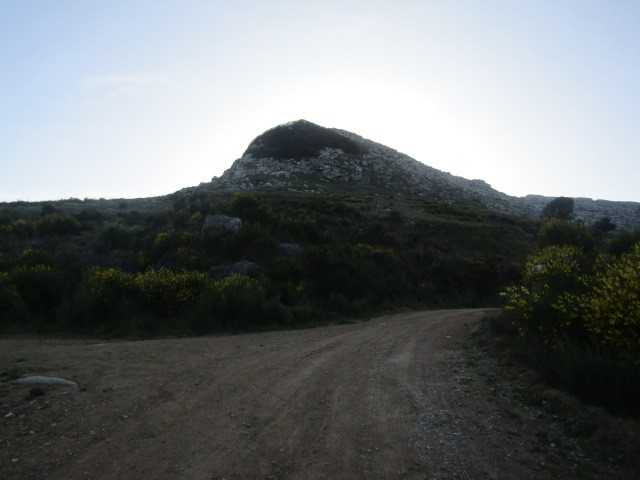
<point>403,396</point>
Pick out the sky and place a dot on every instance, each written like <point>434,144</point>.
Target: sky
<point>133,98</point>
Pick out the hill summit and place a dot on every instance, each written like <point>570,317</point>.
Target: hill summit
<point>301,139</point>
<point>301,156</point>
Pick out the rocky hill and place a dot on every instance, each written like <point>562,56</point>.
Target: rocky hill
<point>303,157</point>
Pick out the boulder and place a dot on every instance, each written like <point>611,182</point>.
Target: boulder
<point>289,249</point>
<point>243,267</point>
<point>222,222</point>
<point>41,380</point>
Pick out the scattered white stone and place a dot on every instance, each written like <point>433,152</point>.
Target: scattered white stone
<point>409,175</point>
<point>40,380</point>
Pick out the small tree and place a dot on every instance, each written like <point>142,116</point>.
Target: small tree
<point>563,232</point>
<point>534,306</point>
<point>604,226</point>
<point>561,207</point>
<point>611,307</point>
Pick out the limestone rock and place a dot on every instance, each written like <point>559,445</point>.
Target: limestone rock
<point>222,222</point>
<point>373,167</point>
<point>289,249</point>
<point>243,267</point>
<point>41,380</point>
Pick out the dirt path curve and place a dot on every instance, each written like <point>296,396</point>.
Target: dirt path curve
<point>388,398</point>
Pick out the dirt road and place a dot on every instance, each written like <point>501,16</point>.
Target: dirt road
<point>403,396</point>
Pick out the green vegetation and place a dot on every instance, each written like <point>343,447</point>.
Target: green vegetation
<point>561,207</point>
<point>577,312</point>
<point>146,266</point>
<point>298,140</point>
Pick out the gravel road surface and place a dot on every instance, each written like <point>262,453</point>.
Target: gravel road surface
<point>401,396</point>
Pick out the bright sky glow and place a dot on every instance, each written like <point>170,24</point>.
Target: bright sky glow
<point>132,98</point>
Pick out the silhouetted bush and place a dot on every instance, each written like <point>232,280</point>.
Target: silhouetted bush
<point>172,246</point>
<point>144,271</point>
<point>40,287</point>
<point>298,140</point>
<point>12,308</point>
<point>57,224</point>
<point>91,215</point>
<point>564,232</point>
<point>600,378</point>
<point>249,209</point>
<point>561,207</point>
<point>102,302</point>
<point>165,293</point>
<point>578,316</point>
<point>622,242</point>
<point>21,228</point>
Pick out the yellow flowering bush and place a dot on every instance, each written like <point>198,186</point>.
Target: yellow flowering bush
<point>241,298</point>
<point>108,284</point>
<point>556,304</point>
<point>162,298</point>
<point>533,306</point>
<point>610,307</point>
<point>166,292</point>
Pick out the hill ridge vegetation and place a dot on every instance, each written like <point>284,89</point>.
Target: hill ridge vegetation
<point>362,238</point>
<point>302,156</point>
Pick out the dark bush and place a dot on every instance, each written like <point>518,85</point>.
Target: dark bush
<point>91,215</point>
<point>21,228</point>
<point>622,242</point>
<point>298,140</point>
<point>57,224</point>
<point>561,207</point>
<point>12,309</point>
<point>600,378</point>
<point>564,232</point>
<point>40,287</point>
<point>250,209</point>
<point>113,236</point>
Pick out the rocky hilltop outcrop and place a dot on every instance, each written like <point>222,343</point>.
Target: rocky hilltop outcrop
<point>303,157</point>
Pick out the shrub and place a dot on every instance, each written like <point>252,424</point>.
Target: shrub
<point>91,215</point>
<point>533,306</point>
<point>40,287</point>
<point>242,302</point>
<point>32,256</point>
<point>300,230</point>
<point>603,226</point>
<point>12,308</point>
<point>250,209</point>
<point>599,377</point>
<point>298,140</point>
<point>112,237</point>
<point>253,241</point>
<point>582,327</point>
<point>57,224</point>
<point>610,307</point>
<point>21,228</point>
<point>166,293</point>
<point>112,301</point>
<point>561,207</point>
<point>563,232</point>
<point>172,246</point>
<point>236,303</point>
<point>102,302</point>
<point>622,242</point>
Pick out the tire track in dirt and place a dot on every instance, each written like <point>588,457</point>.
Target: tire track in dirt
<point>388,398</point>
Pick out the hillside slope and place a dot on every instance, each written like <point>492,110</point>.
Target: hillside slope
<point>303,157</point>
